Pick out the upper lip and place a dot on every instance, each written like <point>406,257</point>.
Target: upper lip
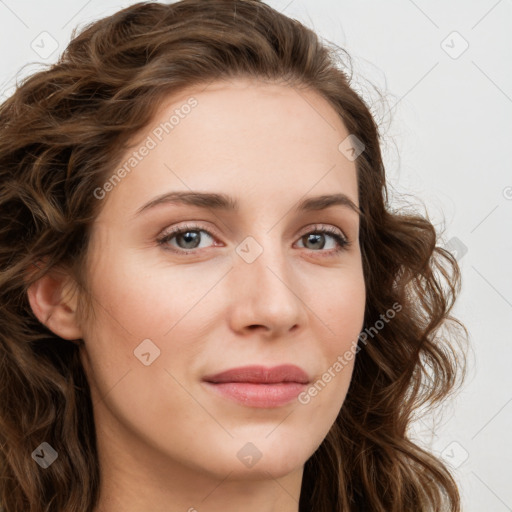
<point>261,374</point>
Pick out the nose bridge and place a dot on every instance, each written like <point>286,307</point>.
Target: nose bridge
<point>266,291</point>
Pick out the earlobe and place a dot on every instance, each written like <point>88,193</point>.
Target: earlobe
<point>54,306</point>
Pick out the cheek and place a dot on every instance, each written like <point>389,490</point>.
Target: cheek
<point>146,302</point>
<point>132,305</point>
<point>342,308</point>
<point>135,302</point>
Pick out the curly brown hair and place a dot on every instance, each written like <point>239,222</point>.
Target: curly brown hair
<point>65,129</point>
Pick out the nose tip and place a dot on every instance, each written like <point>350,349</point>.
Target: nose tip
<point>265,301</point>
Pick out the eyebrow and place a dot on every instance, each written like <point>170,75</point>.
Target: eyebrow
<point>219,201</point>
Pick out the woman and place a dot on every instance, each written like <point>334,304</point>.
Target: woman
<point>207,301</point>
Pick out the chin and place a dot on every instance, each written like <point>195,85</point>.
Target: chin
<point>276,457</point>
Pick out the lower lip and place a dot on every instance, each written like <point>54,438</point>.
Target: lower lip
<point>258,395</point>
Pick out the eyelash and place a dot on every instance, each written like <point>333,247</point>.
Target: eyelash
<point>342,241</point>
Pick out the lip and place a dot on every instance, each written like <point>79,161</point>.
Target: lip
<point>259,386</point>
<point>257,374</point>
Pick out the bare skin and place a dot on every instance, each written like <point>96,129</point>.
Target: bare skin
<point>166,442</point>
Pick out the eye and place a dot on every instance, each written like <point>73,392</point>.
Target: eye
<point>319,234</point>
<point>188,238</point>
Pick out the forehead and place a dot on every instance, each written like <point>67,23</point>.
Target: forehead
<point>242,136</point>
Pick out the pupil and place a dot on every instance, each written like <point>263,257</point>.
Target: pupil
<point>190,237</point>
<point>317,238</point>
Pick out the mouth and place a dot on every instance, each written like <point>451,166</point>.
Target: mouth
<point>258,386</point>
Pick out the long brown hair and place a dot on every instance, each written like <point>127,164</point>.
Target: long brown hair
<point>61,135</point>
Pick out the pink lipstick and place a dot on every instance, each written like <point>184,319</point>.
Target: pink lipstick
<point>258,386</point>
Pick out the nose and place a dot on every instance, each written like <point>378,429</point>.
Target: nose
<point>266,295</point>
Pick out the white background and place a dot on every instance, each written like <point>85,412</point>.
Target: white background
<point>447,128</point>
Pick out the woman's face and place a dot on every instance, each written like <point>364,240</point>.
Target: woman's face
<point>256,284</point>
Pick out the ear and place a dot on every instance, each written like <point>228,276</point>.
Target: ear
<point>53,302</point>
